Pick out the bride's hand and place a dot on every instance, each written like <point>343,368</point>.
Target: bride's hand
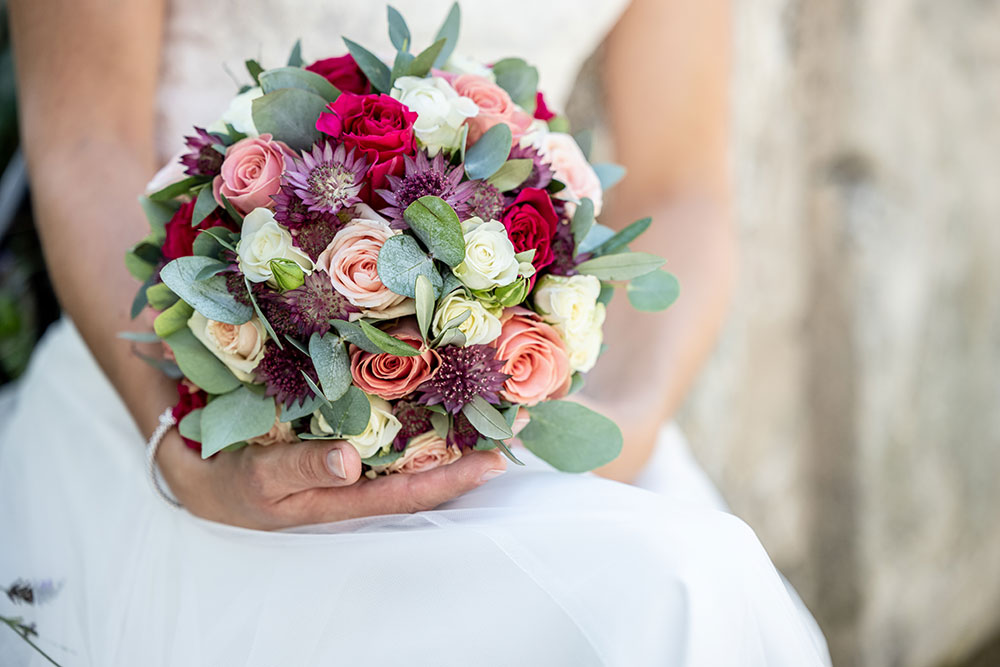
<point>316,481</point>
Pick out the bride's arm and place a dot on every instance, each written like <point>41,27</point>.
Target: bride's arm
<point>666,84</point>
<point>87,74</point>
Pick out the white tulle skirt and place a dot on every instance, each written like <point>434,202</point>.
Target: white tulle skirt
<point>535,568</point>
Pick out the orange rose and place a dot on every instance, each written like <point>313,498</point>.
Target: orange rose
<point>393,377</point>
<point>495,107</point>
<point>534,357</point>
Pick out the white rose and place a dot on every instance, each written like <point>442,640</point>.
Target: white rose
<point>569,303</point>
<point>460,64</point>
<point>382,429</point>
<point>239,346</point>
<point>239,114</point>
<point>490,259</point>
<point>480,327</point>
<point>441,111</point>
<point>535,134</point>
<point>262,239</point>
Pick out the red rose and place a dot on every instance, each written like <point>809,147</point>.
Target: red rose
<point>343,73</point>
<point>190,398</point>
<point>181,235</point>
<point>531,222</point>
<point>542,111</point>
<point>378,126</point>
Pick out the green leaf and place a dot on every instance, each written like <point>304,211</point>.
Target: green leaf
<point>597,235</point>
<point>316,389</point>
<point>139,267</point>
<point>425,304</point>
<point>295,57</point>
<point>172,319</point>
<point>571,437</point>
<point>289,113</point>
<point>382,459</point>
<point>208,245</point>
<point>158,213</point>
<point>297,345</point>
<point>421,65</point>
<point>234,417</point>
<point>332,365</point>
<point>609,174</point>
<point>486,419</point>
<point>399,34</point>
<point>656,290</point>
<point>254,68</point>
<point>585,140</point>
<point>231,210</point>
<point>559,124</point>
<point>376,70</point>
<point>511,174</point>
<point>400,261</point>
<point>199,365</point>
<point>190,425</point>
<point>352,333</point>
<point>583,220</point>
<point>138,336</point>
<point>624,237</point>
<point>607,292</point>
<point>450,283</point>
<point>576,383</point>
<point>160,297</point>
<point>441,423</point>
<point>519,79</point>
<point>177,189</point>
<point>621,266</point>
<point>400,66</point>
<point>140,299</point>
<point>282,78</point>
<point>349,415</point>
<point>260,314</point>
<point>507,452</point>
<point>299,410</point>
<point>487,155</point>
<point>203,205</point>
<point>435,223</point>
<point>450,337</point>
<point>211,270</point>
<point>448,31</point>
<point>386,343</point>
<point>168,368</point>
<point>209,297</point>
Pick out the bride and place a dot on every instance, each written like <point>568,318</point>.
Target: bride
<point>463,565</point>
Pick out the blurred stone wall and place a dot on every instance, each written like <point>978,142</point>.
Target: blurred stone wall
<point>851,413</point>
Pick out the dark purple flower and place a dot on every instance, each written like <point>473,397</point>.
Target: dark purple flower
<point>464,373</point>
<point>563,249</point>
<point>415,418</point>
<point>311,231</point>
<point>280,370</point>
<point>311,306</point>
<point>462,434</point>
<point>203,160</point>
<point>485,202</point>
<point>423,176</point>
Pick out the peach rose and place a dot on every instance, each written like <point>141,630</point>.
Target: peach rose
<point>495,106</point>
<point>534,357</point>
<point>393,377</point>
<point>424,452</point>
<point>351,261</point>
<point>251,173</point>
<point>563,155</point>
<point>239,346</point>
<point>280,434</point>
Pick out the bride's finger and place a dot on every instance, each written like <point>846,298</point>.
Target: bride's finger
<point>285,470</point>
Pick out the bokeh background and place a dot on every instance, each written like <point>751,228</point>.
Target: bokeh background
<point>851,411</point>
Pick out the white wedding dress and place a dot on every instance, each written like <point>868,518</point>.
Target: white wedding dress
<point>535,568</point>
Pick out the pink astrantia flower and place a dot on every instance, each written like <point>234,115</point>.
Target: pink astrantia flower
<point>326,179</point>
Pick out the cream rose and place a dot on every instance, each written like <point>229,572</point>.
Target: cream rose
<point>424,452</point>
<point>570,305</point>
<point>490,260</point>
<point>569,166</point>
<point>440,111</point>
<point>381,430</point>
<point>239,114</point>
<point>480,327</point>
<point>263,240</point>
<point>239,346</point>
<point>458,65</point>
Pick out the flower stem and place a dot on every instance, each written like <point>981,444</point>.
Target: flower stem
<point>21,632</point>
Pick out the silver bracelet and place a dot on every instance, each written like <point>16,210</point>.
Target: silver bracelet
<point>167,422</point>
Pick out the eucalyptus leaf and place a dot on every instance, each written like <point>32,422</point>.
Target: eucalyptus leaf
<point>172,319</point>
<point>454,337</point>
<point>211,237</point>
<point>511,174</point>
<point>386,343</point>
<point>448,31</point>
<point>297,345</point>
<point>486,419</point>
<point>160,297</point>
<point>489,153</point>
<point>260,314</point>
<point>621,266</point>
<point>502,446</point>
<point>597,235</point>
<point>571,437</point>
<point>606,293</point>
<point>583,220</point>
<point>333,367</point>
<point>435,223</point>
<point>254,69</point>
<point>400,66</point>
<point>576,383</point>
<point>209,297</point>
<point>585,140</point>
<point>624,237</point>
<point>199,365</point>
<point>424,304</point>
<point>450,283</point>
<point>210,270</point>
<point>299,410</point>
<point>139,301</point>
<point>399,33</point>
<point>158,213</point>
<point>166,367</point>
<point>139,336</point>
<point>352,333</point>
<point>350,414</point>
<point>177,189</point>
<point>289,113</point>
<point>441,423</point>
<point>609,174</point>
<point>382,459</point>
<point>230,209</point>
<point>519,79</point>
<point>421,65</point>
<point>295,57</point>
<point>234,417</point>
<point>656,290</point>
<point>400,261</point>
<point>296,77</point>
<point>316,389</point>
<point>374,69</point>
<point>190,425</point>
<point>203,205</point>
<point>140,268</point>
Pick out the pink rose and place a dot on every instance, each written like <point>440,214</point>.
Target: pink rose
<point>251,173</point>
<point>280,434</point>
<point>393,377</point>
<point>351,261</point>
<point>425,452</point>
<point>569,166</point>
<point>495,106</point>
<point>534,357</point>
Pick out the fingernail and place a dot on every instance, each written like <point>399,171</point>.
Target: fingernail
<point>335,462</point>
<point>490,474</point>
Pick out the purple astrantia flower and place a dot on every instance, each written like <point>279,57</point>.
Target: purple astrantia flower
<point>236,286</point>
<point>416,419</point>
<point>423,176</point>
<point>464,373</point>
<point>462,434</point>
<point>485,202</point>
<point>326,179</point>
<point>280,370</point>
<point>541,174</point>
<point>203,160</point>
<point>309,308</point>
<point>563,249</point>
<point>312,231</point>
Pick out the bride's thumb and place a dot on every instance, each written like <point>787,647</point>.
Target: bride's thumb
<point>319,463</point>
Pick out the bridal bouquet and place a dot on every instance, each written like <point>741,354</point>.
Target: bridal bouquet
<point>403,255</point>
